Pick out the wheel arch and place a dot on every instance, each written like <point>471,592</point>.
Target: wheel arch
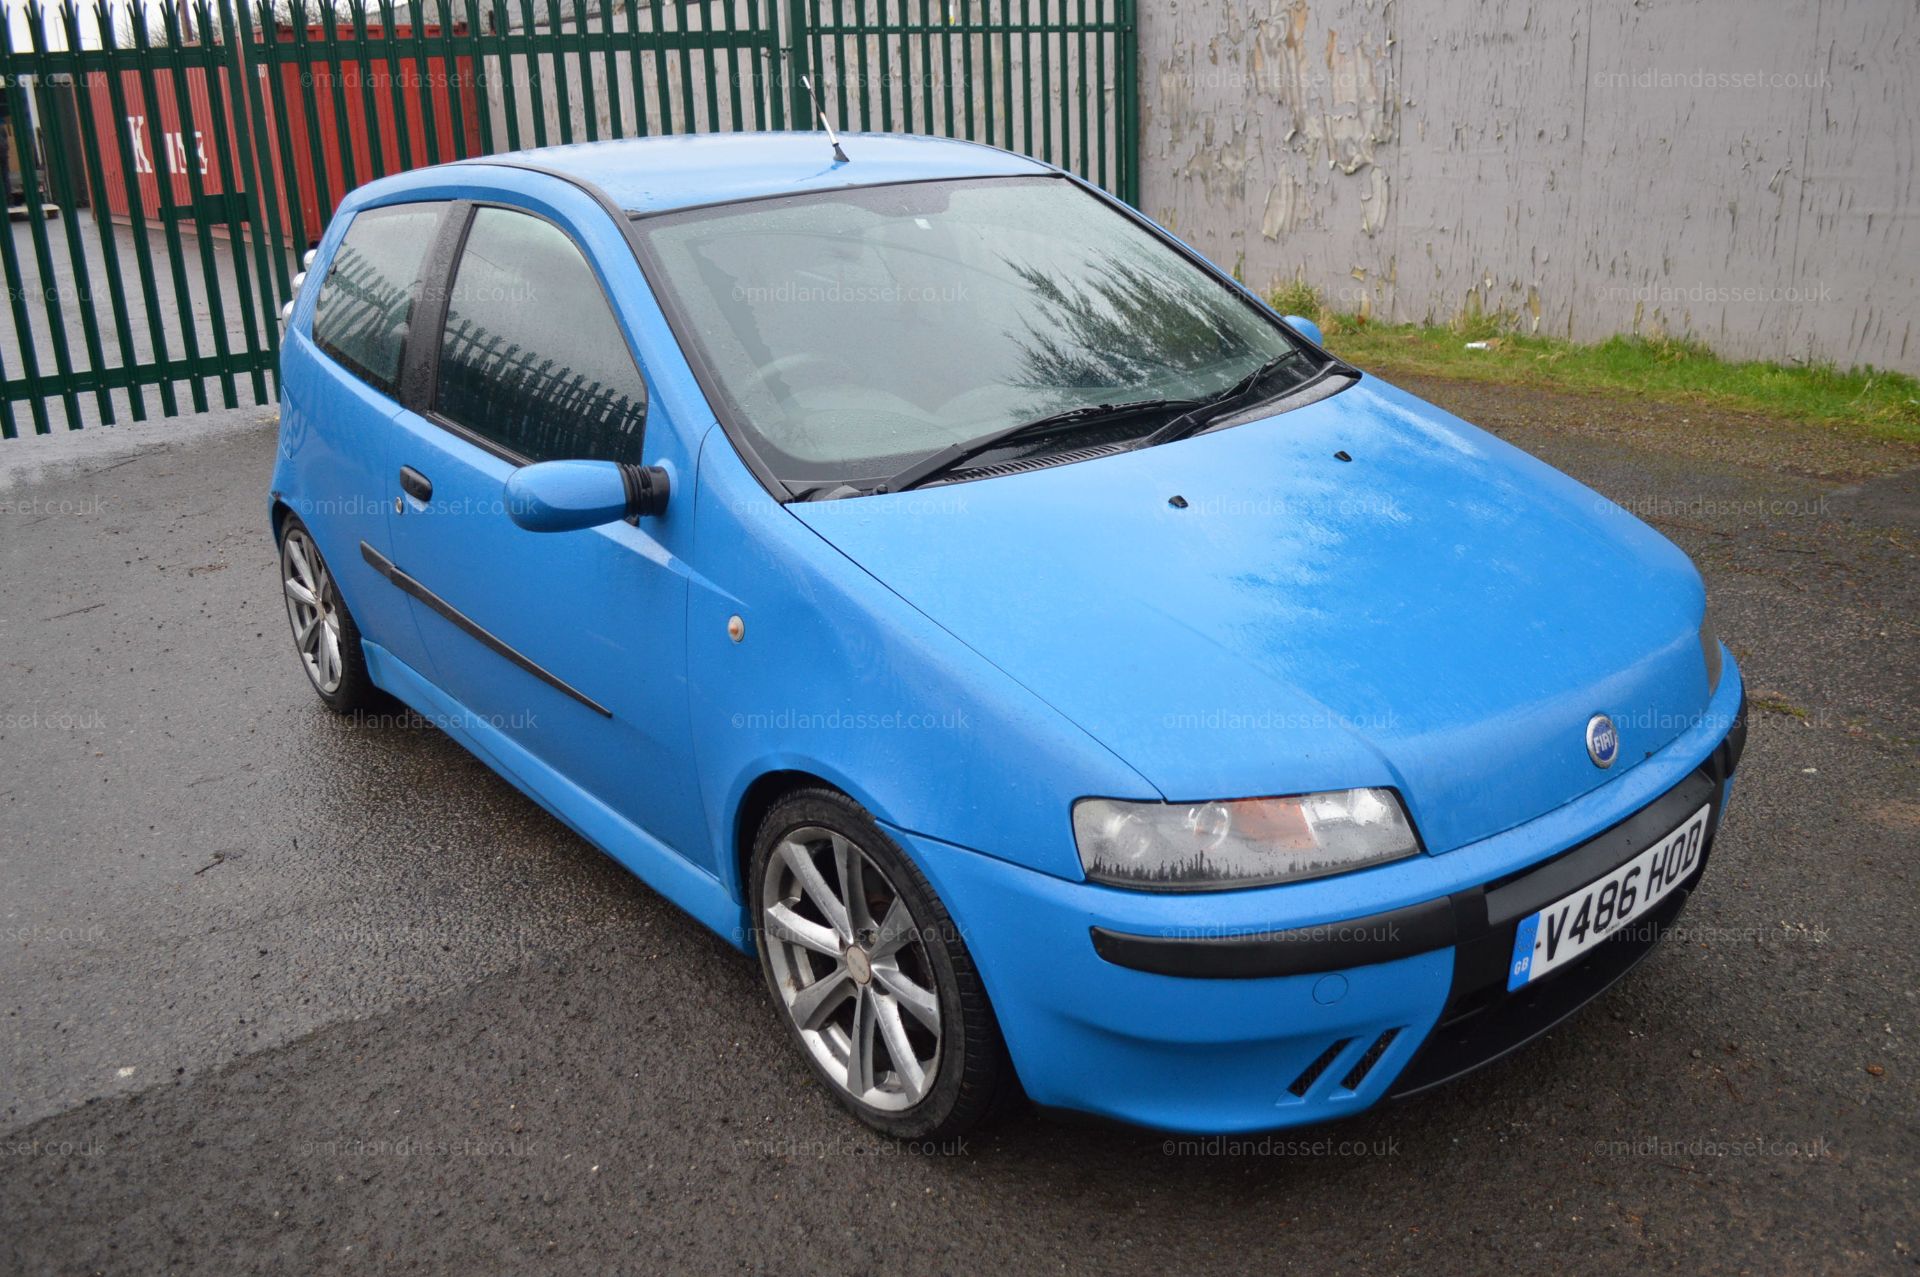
<point>277,512</point>
<point>760,797</point>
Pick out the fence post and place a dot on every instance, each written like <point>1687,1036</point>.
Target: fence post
<point>1129,148</point>
<point>801,114</point>
<point>123,144</point>
<point>102,220</point>
<point>62,190</point>
<point>244,74</point>
<point>34,147</point>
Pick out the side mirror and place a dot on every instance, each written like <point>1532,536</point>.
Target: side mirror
<point>565,496</point>
<point>1305,327</point>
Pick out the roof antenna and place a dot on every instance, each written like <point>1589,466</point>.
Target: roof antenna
<point>839,155</point>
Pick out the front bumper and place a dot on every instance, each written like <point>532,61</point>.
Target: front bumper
<point>1172,1012</point>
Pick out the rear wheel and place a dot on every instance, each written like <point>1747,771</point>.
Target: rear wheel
<point>870,973</point>
<point>324,633</point>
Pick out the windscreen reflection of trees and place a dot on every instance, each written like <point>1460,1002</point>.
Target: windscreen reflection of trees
<point>1122,324</point>
<point>854,330</point>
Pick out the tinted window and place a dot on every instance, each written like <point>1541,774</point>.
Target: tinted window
<point>360,316</point>
<point>532,357</point>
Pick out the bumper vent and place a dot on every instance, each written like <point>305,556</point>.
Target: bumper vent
<point>1364,1065</point>
<point>1321,1063</point>
<point>1338,1051</point>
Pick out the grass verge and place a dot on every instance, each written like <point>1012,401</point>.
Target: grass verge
<point>1882,404</point>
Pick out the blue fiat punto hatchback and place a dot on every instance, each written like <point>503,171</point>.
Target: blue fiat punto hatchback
<point>1066,675</point>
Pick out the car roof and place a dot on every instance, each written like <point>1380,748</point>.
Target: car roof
<point>648,175</point>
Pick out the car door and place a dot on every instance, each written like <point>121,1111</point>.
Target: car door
<point>341,401</point>
<point>571,644</point>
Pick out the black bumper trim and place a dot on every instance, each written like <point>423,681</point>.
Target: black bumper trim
<point>1482,1020</point>
<point>1494,1031</point>
<point>1477,923</point>
<point>1541,885</point>
<point>1353,942</point>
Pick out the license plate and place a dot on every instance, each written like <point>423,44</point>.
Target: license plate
<point>1576,923</point>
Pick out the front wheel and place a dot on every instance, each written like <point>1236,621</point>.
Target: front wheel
<point>870,973</point>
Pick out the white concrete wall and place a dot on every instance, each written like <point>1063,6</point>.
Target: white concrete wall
<point>1741,172</point>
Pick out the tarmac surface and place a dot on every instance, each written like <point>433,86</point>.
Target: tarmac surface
<point>282,993</point>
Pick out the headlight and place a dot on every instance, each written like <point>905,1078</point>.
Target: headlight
<point>1710,650</point>
<point>1241,843</point>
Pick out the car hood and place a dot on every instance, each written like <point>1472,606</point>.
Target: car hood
<point>1247,613</point>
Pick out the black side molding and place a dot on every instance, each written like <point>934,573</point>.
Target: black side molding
<point>407,585</point>
<point>1350,942</point>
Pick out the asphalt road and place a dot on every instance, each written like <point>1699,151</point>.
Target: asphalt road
<point>282,994</point>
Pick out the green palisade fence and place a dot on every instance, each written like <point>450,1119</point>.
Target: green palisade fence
<point>168,165</point>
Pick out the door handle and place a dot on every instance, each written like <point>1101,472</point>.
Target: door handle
<point>415,484</point>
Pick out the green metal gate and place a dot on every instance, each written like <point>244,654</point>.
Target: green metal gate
<point>174,162</point>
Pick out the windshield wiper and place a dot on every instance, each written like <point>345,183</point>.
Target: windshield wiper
<point>1245,391</point>
<point>952,455</point>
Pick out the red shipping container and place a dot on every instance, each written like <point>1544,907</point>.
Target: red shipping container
<point>418,83</point>
<point>157,143</point>
<point>161,147</point>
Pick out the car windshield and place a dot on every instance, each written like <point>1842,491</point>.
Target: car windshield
<point>850,333</point>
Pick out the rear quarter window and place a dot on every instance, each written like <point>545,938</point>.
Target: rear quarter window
<point>365,304</point>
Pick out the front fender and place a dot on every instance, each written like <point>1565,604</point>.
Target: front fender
<point>835,675</point>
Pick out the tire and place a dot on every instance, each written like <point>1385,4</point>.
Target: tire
<point>325,636</point>
<point>893,978</point>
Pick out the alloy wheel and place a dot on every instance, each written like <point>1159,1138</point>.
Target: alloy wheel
<point>313,607</point>
<point>851,968</point>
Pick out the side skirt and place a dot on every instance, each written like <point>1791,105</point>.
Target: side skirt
<point>652,861</point>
